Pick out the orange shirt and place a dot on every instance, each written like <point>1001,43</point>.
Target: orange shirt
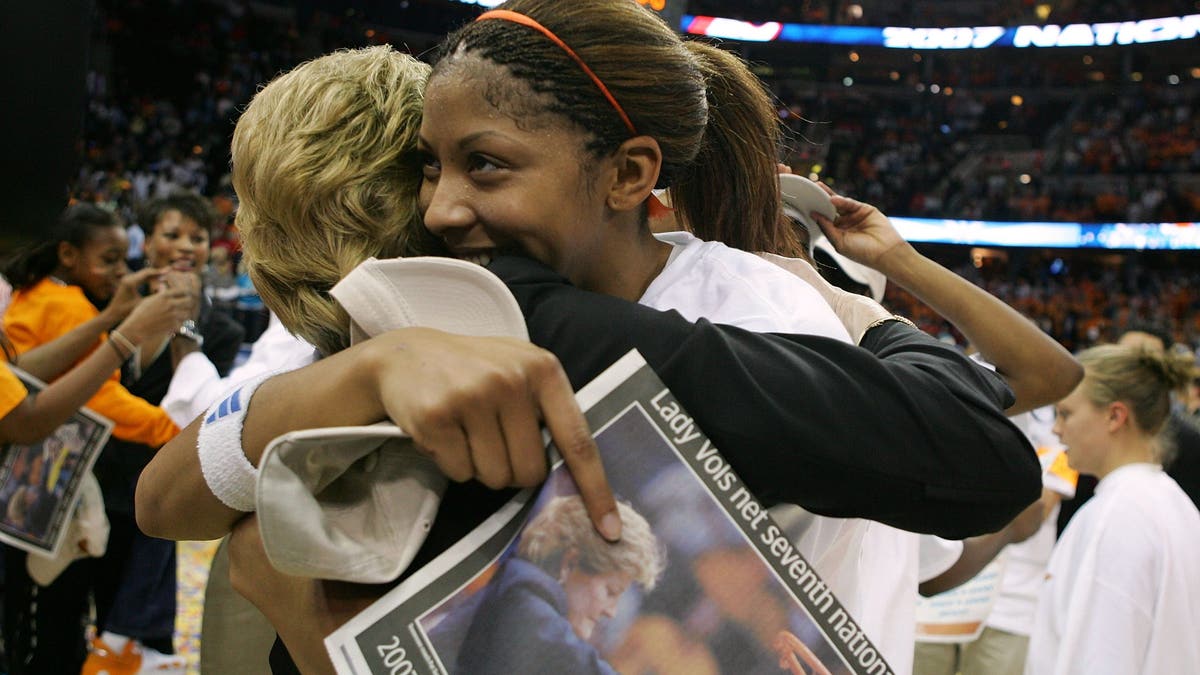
<point>48,310</point>
<point>12,391</point>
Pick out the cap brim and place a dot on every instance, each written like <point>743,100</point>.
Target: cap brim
<point>451,295</point>
<point>801,197</point>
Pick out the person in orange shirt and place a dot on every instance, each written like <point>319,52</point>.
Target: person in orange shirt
<point>59,283</point>
<point>26,418</point>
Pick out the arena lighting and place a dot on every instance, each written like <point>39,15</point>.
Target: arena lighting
<point>1164,29</point>
<point>1137,236</point>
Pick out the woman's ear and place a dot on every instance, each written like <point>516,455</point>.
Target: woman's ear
<point>638,161</point>
<point>1118,415</point>
<point>68,254</point>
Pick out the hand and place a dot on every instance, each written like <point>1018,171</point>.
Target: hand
<point>791,650</point>
<point>476,404</point>
<point>128,293</point>
<point>186,282</point>
<point>159,314</point>
<point>861,232</point>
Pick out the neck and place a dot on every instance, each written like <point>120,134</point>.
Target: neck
<point>1137,449</point>
<point>627,269</point>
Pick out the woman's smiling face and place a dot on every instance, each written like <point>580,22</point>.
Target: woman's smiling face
<point>99,264</point>
<point>177,241</point>
<point>503,173</point>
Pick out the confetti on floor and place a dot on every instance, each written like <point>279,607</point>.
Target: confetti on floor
<point>194,558</point>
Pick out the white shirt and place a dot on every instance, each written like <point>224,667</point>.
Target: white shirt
<point>709,280</point>
<point>863,562</point>
<point>1025,562</point>
<point>196,384</point>
<point>1122,592</point>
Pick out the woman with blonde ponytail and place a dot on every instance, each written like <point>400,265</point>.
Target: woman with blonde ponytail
<point>1122,592</point>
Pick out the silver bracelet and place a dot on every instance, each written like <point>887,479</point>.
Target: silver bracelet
<point>187,330</point>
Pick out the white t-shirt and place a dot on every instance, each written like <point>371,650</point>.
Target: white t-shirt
<point>1122,592</point>
<point>709,280</point>
<point>1026,561</point>
<point>863,562</point>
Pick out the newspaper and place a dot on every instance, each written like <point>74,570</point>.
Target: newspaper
<point>40,482</point>
<point>734,595</point>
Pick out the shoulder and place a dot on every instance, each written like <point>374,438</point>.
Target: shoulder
<point>713,270</point>
<point>1143,516</point>
<point>47,295</point>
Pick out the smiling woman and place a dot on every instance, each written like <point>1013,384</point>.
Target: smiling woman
<point>177,231</point>
<point>321,165</point>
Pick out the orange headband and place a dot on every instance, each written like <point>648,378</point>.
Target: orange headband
<point>515,17</point>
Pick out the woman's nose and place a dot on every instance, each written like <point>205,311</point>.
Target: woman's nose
<point>446,209</point>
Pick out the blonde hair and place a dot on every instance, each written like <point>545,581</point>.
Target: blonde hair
<point>1140,377</point>
<point>327,175</point>
<point>563,525</point>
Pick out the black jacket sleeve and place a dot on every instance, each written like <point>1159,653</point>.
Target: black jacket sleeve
<point>902,429</point>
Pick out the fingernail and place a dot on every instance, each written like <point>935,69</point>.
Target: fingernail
<point>610,526</point>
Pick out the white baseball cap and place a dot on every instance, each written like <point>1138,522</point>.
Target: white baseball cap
<point>356,503</point>
<point>801,197</point>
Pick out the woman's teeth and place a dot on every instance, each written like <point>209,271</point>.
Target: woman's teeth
<point>481,259</point>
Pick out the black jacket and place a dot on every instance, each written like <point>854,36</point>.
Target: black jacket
<point>903,429</point>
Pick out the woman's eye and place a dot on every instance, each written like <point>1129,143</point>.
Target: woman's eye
<point>482,163</point>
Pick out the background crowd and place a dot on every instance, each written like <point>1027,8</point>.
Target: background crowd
<point>945,137</point>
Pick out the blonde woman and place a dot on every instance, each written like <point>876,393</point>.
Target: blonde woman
<point>1122,592</point>
<point>541,610</point>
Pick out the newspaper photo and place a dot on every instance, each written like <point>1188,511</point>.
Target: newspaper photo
<point>40,482</point>
<point>702,581</point>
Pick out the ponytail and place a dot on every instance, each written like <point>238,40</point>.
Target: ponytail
<point>731,192</point>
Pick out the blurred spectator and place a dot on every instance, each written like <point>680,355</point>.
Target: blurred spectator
<point>249,309</point>
<point>220,282</point>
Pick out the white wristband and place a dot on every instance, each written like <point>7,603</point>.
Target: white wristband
<point>228,473</point>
